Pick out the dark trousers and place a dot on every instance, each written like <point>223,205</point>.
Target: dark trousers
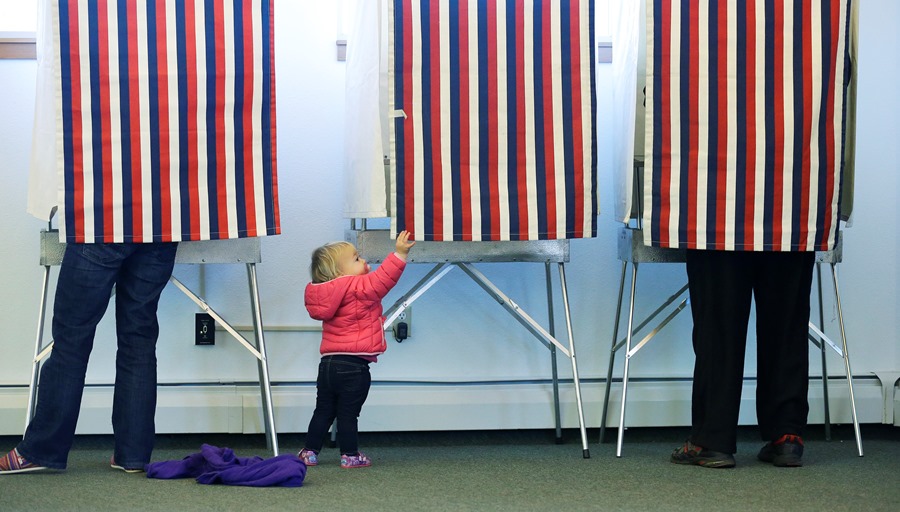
<point>86,278</point>
<point>721,286</point>
<point>341,389</point>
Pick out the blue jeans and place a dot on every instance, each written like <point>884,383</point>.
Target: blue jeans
<point>341,389</point>
<point>86,278</point>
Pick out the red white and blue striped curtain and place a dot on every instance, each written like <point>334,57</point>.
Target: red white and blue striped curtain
<point>745,123</point>
<point>494,136</point>
<point>166,115</point>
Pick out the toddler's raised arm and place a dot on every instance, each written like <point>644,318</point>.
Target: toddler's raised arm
<point>403,244</point>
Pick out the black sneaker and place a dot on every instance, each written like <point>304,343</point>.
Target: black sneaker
<point>690,453</point>
<point>785,452</point>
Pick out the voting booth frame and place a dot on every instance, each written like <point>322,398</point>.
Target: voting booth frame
<point>244,251</point>
<point>631,250</point>
<point>375,244</point>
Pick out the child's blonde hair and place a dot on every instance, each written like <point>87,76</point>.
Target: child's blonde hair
<point>324,266</point>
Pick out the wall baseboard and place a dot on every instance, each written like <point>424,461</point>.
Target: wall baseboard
<point>231,408</point>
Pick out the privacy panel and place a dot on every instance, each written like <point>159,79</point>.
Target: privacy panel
<point>494,135</point>
<point>166,116</point>
<point>745,123</point>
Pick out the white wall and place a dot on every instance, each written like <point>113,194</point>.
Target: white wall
<point>459,335</point>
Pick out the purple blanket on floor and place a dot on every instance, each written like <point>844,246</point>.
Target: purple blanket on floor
<point>214,465</point>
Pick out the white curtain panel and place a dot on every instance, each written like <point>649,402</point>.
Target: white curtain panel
<point>364,172</point>
<point>624,27</point>
<point>42,183</point>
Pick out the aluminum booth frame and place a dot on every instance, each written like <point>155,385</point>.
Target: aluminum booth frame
<point>237,251</point>
<point>631,249</point>
<point>373,245</point>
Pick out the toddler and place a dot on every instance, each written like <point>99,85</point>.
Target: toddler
<point>346,297</point>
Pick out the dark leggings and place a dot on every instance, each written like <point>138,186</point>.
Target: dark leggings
<point>341,389</point>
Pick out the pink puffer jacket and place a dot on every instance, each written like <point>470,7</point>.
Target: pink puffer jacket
<point>350,309</point>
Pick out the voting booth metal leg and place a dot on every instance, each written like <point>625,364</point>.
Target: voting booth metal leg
<point>630,350</point>
<point>621,436</point>
<point>818,337</point>
<point>612,355</point>
<point>577,382</point>
<point>551,326</point>
<point>262,362</point>
<point>846,356</point>
<point>532,326</point>
<point>38,349</point>
<point>822,352</point>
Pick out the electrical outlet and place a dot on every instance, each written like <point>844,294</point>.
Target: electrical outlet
<point>204,329</point>
<point>406,317</point>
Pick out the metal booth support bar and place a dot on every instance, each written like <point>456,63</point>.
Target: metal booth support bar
<point>241,251</point>
<point>632,250</point>
<point>374,245</point>
<point>832,258</point>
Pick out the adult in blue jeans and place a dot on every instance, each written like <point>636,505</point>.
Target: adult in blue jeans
<point>139,272</point>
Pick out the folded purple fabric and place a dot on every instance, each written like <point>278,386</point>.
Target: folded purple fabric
<point>214,465</point>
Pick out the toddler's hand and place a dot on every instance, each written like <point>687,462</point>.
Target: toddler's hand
<point>403,243</point>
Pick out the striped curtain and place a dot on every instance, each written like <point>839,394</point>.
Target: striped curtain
<point>745,123</point>
<point>494,136</point>
<point>166,114</point>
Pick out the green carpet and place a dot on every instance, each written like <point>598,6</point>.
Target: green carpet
<point>496,470</point>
